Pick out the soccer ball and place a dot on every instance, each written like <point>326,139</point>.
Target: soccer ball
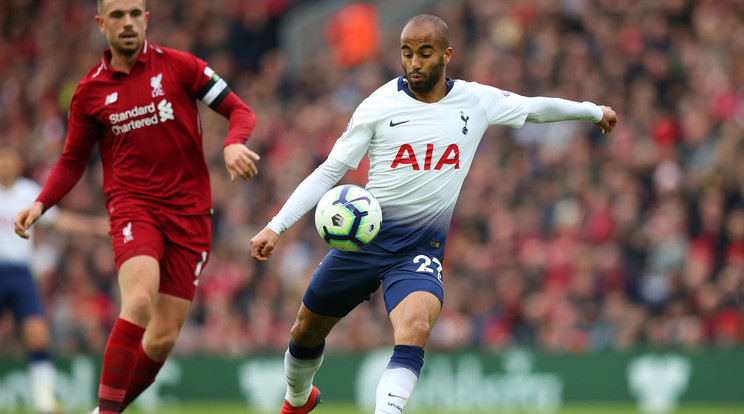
<point>348,217</point>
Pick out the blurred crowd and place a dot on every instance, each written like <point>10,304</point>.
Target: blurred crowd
<point>564,239</point>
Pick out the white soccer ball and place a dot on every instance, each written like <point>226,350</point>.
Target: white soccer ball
<point>348,217</point>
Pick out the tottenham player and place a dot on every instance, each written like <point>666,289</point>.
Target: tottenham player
<point>139,106</point>
<point>17,286</point>
<point>421,131</point>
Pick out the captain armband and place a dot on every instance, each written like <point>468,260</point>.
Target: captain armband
<point>214,91</point>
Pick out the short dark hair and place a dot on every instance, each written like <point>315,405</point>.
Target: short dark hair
<point>100,6</point>
<point>440,27</point>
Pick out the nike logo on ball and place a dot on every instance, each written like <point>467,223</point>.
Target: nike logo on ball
<point>394,124</point>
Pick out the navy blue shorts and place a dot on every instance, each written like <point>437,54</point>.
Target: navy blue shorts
<point>343,280</point>
<point>18,291</point>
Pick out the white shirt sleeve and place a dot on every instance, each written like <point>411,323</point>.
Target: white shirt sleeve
<point>351,146</point>
<point>307,194</point>
<point>501,107</point>
<point>556,109</point>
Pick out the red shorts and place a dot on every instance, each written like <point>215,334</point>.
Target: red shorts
<point>179,243</point>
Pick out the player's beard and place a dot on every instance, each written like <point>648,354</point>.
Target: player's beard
<point>428,80</point>
<point>126,49</point>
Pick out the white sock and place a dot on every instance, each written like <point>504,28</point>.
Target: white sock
<point>299,374</point>
<point>394,390</point>
<point>42,376</point>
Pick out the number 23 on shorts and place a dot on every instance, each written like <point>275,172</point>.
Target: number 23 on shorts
<point>430,265</point>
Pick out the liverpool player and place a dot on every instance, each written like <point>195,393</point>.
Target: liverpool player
<point>139,106</point>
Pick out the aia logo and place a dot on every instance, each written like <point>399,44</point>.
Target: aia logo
<point>406,155</point>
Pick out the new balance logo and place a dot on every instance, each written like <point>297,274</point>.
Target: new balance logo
<point>111,98</point>
<point>165,110</point>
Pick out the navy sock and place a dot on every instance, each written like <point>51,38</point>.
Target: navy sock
<point>301,352</point>
<point>408,356</point>
<point>37,356</point>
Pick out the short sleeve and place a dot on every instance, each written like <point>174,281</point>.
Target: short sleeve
<point>194,72</point>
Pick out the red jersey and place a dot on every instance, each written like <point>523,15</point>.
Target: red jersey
<point>147,127</point>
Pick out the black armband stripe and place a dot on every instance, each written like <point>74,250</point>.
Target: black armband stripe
<point>207,86</point>
<point>221,97</point>
<point>215,91</point>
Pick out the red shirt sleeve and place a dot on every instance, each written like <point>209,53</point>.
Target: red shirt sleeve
<point>199,80</point>
<point>82,134</point>
<point>241,117</point>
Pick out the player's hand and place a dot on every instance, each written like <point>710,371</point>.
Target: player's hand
<point>263,243</point>
<point>608,121</point>
<point>27,217</point>
<point>240,161</point>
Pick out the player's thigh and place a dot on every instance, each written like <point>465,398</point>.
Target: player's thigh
<point>137,243</point>
<point>186,251</point>
<point>412,272</point>
<point>342,281</point>
<point>135,231</point>
<point>414,317</point>
<point>139,279</point>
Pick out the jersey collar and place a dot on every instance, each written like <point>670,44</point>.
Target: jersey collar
<point>144,53</point>
<point>403,86</point>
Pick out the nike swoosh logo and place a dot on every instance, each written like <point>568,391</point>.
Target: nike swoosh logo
<point>394,124</point>
<point>396,396</point>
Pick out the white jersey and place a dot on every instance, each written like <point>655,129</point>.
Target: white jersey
<point>14,249</point>
<point>421,152</point>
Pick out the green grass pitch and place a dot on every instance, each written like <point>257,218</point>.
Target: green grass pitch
<point>336,408</point>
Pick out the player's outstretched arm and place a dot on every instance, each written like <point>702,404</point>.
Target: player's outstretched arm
<point>302,200</point>
<point>240,161</point>
<point>542,109</point>
<point>73,222</point>
<point>608,121</point>
<point>27,217</point>
<point>262,244</point>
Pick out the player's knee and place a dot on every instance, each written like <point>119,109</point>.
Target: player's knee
<point>35,334</point>
<point>160,347</point>
<point>421,328</point>
<point>137,308</point>
<point>299,332</point>
<point>416,332</point>
<point>306,333</point>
